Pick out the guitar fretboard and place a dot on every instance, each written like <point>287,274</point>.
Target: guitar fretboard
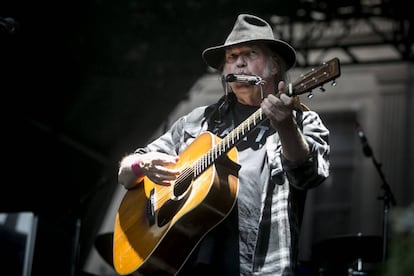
<point>316,77</point>
<point>228,142</point>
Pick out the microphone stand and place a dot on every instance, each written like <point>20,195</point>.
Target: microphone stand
<point>387,197</point>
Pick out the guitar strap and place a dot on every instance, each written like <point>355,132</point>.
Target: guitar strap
<point>215,113</point>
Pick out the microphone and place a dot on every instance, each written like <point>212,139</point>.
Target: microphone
<point>9,24</point>
<point>366,148</point>
<point>250,79</point>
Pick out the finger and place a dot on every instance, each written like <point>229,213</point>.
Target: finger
<point>161,170</point>
<point>281,85</point>
<point>286,100</point>
<point>272,99</point>
<point>162,173</point>
<point>151,160</point>
<point>267,105</point>
<point>160,182</point>
<point>164,159</point>
<point>162,179</point>
<point>288,103</point>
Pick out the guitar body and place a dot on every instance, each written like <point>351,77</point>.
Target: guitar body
<point>158,227</point>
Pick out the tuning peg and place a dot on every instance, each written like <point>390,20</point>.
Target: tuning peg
<point>322,89</point>
<point>333,83</point>
<point>310,95</point>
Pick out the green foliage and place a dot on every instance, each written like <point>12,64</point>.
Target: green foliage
<point>400,259</point>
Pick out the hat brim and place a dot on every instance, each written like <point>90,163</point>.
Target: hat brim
<point>214,56</point>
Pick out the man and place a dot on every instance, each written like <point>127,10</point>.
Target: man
<point>279,159</point>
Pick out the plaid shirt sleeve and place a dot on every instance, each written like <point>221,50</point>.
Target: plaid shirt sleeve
<point>315,169</point>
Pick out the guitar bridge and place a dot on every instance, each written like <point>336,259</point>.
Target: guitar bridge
<point>150,209</point>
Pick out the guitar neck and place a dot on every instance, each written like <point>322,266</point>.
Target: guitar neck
<point>234,137</point>
<point>327,71</point>
<point>228,142</point>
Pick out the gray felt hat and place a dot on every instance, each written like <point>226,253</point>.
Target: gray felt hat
<point>250,28</point>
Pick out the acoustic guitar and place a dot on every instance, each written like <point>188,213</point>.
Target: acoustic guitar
<point>158,227</point>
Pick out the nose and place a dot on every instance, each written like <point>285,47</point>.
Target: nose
<point>241,61</point>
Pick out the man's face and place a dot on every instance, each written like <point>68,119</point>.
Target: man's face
<point>249,59</point>
<point>245,59</point>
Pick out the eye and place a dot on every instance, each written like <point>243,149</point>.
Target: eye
<point>230,58</point>
<point>253,54</point>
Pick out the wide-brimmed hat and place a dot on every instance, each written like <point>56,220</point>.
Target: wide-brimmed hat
<point>250,28</point>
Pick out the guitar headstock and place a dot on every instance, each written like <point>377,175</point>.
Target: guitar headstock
<point>327,71</point>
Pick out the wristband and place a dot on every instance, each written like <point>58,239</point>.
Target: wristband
<point>136,168</point>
